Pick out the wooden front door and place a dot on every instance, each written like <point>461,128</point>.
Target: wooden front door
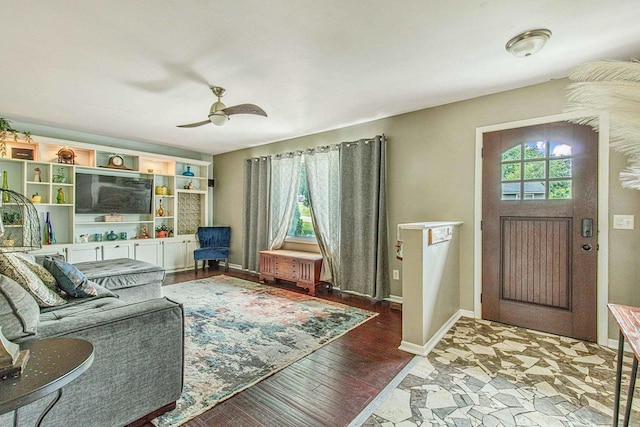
<point>539,228</point>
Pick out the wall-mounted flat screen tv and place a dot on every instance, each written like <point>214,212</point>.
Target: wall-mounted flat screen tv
<point>105,194</point>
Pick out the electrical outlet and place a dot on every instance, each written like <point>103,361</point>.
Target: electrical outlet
<point>623,222</point>
<point>396,275</point>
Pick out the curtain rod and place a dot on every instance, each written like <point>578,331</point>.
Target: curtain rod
<point>321,147</point>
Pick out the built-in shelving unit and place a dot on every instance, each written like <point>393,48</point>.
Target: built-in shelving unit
<point>51,186</point>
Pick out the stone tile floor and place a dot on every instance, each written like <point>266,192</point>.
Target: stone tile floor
<point>488,374</point>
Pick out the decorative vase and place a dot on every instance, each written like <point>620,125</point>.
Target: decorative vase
<point>188,171</point>
<point>49,237</point>
<point>37,175</point>
<point>60,196</point>
<point>5,186</point>
<point>162,233</point>
<point>160,211</point>
<point>112,235</point>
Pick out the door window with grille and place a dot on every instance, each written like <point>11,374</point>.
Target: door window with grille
<point>537,170</point>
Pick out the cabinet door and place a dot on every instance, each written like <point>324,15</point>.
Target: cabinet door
<point>120,250</point>
<point>147,251</point>
<point>190,246</point>
<point>173,254</point>
<point>84,253</point>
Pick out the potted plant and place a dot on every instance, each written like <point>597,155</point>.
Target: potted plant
<point>6,132</point>
<point>162,230</point>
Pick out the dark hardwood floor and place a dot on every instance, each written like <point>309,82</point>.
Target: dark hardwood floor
<point>329,387</point>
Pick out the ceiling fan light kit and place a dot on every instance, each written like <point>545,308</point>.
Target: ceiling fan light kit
<point>219,113</point>
<point>218,118</point>
<point>528,43</point>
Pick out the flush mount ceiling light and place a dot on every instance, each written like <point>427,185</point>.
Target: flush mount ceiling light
<point>528,43</point>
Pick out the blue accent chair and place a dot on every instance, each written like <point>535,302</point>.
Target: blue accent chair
<point>214,245</point>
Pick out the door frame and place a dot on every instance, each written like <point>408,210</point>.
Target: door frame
<point>602,285</point>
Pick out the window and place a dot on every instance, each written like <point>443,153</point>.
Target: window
<point>537,170</point>
<point>301,225</point>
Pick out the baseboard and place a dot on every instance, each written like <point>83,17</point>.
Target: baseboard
<point>426,349</point>
<point>614,345</point>
<point>468,313</point>
<point>394,298</point>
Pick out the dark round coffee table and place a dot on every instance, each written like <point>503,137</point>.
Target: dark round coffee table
<point>53,363</point>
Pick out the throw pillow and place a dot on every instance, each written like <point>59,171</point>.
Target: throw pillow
<point>19,311</point>
<point>12,267</point>
<point>69,278</point>
<point>44,275</point>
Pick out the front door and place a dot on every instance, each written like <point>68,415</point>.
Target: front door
<point>539,228</point>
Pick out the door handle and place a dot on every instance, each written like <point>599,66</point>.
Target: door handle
<point>587,227</point>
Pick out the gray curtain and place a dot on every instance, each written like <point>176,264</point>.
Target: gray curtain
<point>256,211</point>
<point>364,264</point>
<point>285,179</point>
<point>323,181</point>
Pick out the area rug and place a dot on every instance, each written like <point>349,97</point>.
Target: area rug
<point>237,333</point>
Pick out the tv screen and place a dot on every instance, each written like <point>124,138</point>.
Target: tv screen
<point>104,194</point>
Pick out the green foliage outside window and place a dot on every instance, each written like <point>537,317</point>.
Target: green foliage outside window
<point>528,161</point>
<point>301,225</point>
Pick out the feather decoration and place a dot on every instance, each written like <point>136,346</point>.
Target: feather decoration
<point>607,71</point>
<point>630,177</point>
<point>614,87</point>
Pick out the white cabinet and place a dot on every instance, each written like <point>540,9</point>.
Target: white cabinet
<point>117,250</point>
<point>78,253</point>
<point>177,253</point>
<point>173,251</point>
<point>148,251</point>
<point>52,250</point>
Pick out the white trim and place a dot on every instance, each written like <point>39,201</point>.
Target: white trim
<point>602,290</point>
<point>382,396</point>
<point>435,339</point>
<point>468,313</point>
<point>394,298</point>
<point>299,239</point>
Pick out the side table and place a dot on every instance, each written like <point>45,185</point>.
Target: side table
<point>628,320</point>
<point>53,363</point>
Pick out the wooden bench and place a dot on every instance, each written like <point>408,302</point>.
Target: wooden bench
<point>302,268</point>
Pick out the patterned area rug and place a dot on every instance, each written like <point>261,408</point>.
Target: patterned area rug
<point>237,333</point>
<point>488,374</point>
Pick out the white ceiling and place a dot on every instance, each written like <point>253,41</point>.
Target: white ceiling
<point>136,69</point>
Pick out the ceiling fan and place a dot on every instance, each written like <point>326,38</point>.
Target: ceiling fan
<point>219,113</point>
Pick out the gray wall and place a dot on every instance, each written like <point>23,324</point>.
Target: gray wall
<point>431,176</point>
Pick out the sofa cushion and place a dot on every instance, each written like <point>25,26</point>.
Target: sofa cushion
<point>69,278</point>
<point>122,272</point>
<point>80,311</point>
<point>44,275</point>
<point>14,268</point>
<point>19,311</point>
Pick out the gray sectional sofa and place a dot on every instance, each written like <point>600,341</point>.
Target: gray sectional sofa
<point>138,347</point>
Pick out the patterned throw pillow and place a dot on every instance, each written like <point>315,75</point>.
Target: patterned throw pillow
<point>41,272</point>
<point>13,267</point>
<point>69,278</point>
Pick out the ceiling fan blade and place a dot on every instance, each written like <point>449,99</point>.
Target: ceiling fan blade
<point>194,125</point>
<point>245,109</point>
